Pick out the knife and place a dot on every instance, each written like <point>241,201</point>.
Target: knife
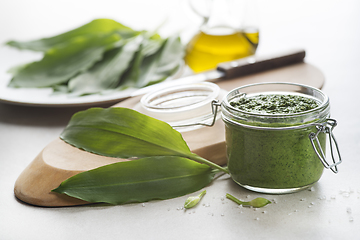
<point>236,68</point>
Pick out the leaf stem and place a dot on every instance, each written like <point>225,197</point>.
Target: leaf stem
<point>202,194</point>
<point>199,159</point>
<point>232,198</point>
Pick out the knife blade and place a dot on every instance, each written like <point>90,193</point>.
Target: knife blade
<point>231,69</point>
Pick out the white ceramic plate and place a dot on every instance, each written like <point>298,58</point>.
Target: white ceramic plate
<point>44,97</point>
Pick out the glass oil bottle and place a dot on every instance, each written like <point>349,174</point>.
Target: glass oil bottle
<point>222,36</point>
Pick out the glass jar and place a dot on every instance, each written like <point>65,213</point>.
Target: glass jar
<point>278,153</point>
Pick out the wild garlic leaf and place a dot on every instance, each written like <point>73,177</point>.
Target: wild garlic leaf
<point>79,58</point>
<point>130,77</point>
<point>148,47</point>
<point>61,63</point>
<point>138,180</point>
<point>257,202</point>
<point>151,44</point>
<point>170,57</point>
<point>125,133</point>
<point>161,64</point>
<point>97,26</point>
<point>106,73</point>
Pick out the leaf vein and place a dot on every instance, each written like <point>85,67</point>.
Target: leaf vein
<point>139,182</point>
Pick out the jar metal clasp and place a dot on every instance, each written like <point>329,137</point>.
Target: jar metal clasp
<point>214,108</point>
<point>326,128</point>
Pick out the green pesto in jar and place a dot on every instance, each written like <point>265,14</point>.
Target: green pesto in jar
<point>273,157</point>
<point>275,104</point>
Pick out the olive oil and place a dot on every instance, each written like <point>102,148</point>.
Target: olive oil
<point>205,51</point>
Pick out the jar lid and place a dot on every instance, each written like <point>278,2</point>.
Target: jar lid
<point>182,104</point>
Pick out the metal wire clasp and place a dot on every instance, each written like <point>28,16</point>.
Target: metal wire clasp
<point>327,128</point>
<point>215,109</point>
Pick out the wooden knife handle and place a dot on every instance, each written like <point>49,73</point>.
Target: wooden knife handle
<point>255,64</point>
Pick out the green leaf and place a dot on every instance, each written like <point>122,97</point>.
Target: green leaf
<point>63,62</point>
<point>130,77</point>
<point>97,26</point>
<point>85,59</point>
<point>152,44</point>
<point>148,47</point>
<point>257,202</point>
<point>170,56</point>
<point>106,73</point>
<point>162,63</point>
<point>125,133</point>
<point>138,180</point>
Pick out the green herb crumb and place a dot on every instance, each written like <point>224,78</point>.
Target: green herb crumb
<point>275,104</point>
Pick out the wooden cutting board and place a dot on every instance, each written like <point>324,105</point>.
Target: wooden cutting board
<point>58,161</point>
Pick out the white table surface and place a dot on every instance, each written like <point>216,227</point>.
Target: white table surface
<point>330,33</point>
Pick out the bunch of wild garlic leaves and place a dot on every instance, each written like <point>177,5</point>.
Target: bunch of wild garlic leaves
<point>161,167</point>
<point>98,57</point>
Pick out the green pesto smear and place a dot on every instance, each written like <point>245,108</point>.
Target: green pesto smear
<point>275,104</point>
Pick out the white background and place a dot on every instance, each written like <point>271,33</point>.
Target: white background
<point>330,33</point>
